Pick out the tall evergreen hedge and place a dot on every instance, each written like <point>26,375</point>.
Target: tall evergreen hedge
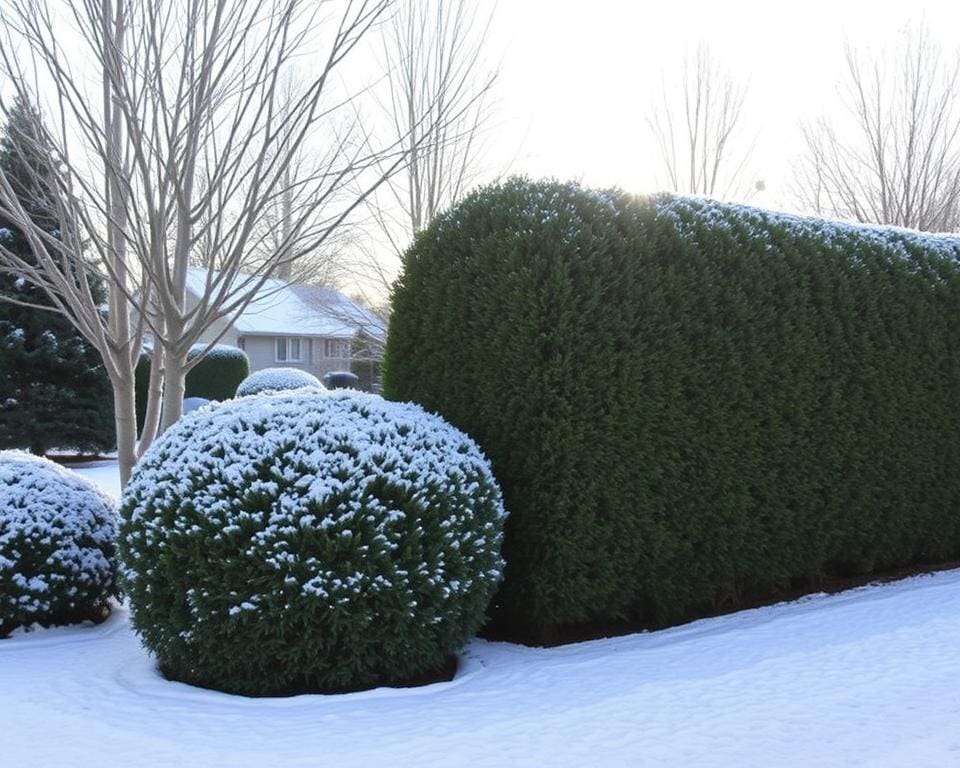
<point>684,400</point>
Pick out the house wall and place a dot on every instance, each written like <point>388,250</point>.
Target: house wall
<point>262,349</point>
<point>262,353</point>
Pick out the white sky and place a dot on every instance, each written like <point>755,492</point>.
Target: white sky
<point>577,76</point>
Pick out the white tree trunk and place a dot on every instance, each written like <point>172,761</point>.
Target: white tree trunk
<point>151,419</point>
<point>125,415</point>
<point>174,385</point>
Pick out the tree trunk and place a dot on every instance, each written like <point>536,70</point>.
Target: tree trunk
<point>151,420</point>
<point>125,414</point>
<point>174,385</point>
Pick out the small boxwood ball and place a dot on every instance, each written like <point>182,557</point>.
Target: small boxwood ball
<point>309,541</point>
<point>57,544</point>
<point>277,380</point>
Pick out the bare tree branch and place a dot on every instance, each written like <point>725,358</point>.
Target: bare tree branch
<point>699,133</point>
<point>438,96</point>
<point>198,136</point>
<point>894,155</point>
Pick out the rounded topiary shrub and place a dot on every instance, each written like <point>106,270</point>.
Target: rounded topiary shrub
<point>57,540</point>
<point>218,375</point>
<point>277,380</point>
<point>309,541</point>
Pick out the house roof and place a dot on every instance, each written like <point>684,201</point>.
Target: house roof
<point>281,308</point>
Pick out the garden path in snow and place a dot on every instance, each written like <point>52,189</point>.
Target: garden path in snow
<point>867,677</point>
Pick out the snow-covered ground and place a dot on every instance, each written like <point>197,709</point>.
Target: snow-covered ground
<point>867,677</point>
<point>103,472</point>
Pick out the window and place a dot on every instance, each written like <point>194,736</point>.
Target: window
<point>288,349</point>
<point>242,343</point>
<point>336,348</point>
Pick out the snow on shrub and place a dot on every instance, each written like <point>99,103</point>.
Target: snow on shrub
<point>276,380</point>
<point>686,400</point>
<point>57,534</point>
<point>309,541</point>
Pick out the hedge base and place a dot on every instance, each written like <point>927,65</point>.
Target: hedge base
<point>440,674</point>
<point>830,584</point>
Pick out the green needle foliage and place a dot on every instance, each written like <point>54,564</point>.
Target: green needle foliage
<point>685,401</point>
<point>54,390</point>
<point>309,541</point>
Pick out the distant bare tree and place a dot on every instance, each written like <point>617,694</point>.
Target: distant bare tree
<point>436,102</point>
<point>439,92</point>
<point>697,124</point>
<point>893,156</point>
<point>179,161</point>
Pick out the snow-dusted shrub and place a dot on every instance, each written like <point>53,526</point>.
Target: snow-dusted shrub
<point>57,541</point>
<point>277,380</point>
<point>683,399</point>
<point>309,541</point>
<point>193,403</point>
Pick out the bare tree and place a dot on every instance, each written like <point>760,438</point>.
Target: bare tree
<point>188,149</point>
<point>434,53</point>
<point>697,124</point>
<point>893,154</point>
<point>437,101</point>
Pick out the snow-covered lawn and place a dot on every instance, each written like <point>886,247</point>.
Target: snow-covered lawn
<point>868,677</point>
<point>103,472</point>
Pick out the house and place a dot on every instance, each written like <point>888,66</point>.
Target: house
<point>301,326</point>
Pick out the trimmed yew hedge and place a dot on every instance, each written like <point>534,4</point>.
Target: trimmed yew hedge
<point>685,401</point>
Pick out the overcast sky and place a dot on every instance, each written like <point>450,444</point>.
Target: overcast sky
<point>577,76</point>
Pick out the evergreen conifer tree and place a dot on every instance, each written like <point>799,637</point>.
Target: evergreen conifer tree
<point>54,391</point>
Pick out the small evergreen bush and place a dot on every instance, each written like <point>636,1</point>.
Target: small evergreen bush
<point>277,380</point>
<point>686,401</point>
<point>216,377</point>
<point>56,544</point>
<point>309,541</point>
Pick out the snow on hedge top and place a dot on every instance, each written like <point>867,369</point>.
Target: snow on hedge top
<point>691,212</point>
<point>276,380</point>
<point>217,352</point>
<point>47,509</point>
<point>544,202</point>
<point>249,475</point>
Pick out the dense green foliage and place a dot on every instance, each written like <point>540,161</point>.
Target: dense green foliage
<point>54,390</point>
<point>309,541</point>
<point>216,377</point>
<point>56,544</point>
<point>685,401</point>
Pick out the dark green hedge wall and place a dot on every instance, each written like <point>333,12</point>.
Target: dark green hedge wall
<point>216,377</point>
<point>684,400</point>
